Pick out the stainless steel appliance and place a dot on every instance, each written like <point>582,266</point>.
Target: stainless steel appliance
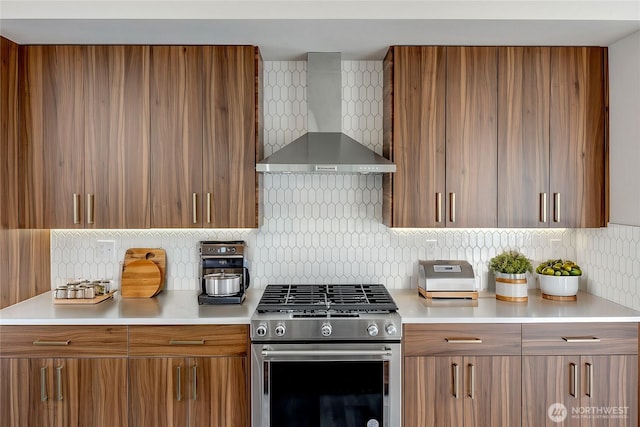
<point>326,355</point>
<point>223,276</point>
<point>447,275</point>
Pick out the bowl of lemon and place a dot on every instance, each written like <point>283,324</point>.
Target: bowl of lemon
<point>559,279</point>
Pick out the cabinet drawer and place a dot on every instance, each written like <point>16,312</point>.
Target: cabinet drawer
<point>188,340</point>
<point>580,339</point>
<point>61,341</point>
<point>461,339</point>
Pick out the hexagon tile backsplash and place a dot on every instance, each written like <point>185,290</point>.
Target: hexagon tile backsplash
<point>327,228</point>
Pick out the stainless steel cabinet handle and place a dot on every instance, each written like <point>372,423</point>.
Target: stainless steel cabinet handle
<point>438,207</point>
<point>543,207</point>
<point>194,198</point>
<point>194,389</point>
<point>386,352</point>
<point>178,383</point>
<point>43,384</point>
<point>573,379</point>
<point>208,208</point>
<point>461,340</point>
<point>581,339</point>
<point>90,208</point>
<point>452,207</point>
<point>186,342</point>
<point>76,208</point>
<point>589,367</point>
<point>53,343</point>
<point>454,370</point>
<point>556,207</point>
<point>59,382</point>
<point>472,380</point>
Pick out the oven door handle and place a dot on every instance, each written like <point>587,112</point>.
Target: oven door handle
<point>385,352</point>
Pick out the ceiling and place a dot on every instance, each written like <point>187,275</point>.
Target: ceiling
<point>286,30</point>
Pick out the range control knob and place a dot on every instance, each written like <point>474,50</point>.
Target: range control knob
<point>261,330</point>
<point>325,330</point>
<point>372,330</point>
<point>391,329</point>
<point>280,330</point>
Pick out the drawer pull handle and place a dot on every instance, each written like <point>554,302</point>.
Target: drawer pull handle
<point>43,384</point>
<point>454,340</point>
<point>90,202</point>
<point>472,380</point>
<point>76,208</point>
<point>556,210</point>
<point>57,343</point>
<point>208,208</point>
<point>438,207</point>
<point>573,380</point>
<point>59,382</point>
<point>194,385</point>
<point>186,342</point>
<point>452,207</point>
<point>194,201</point>
<point>581,339</point>
<point>454,371</point>
<point>543,207</point>
<point>178,383</point>
<point>589,367</point>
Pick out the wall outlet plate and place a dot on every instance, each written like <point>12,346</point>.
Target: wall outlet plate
<point>106,250</point>
<point>430,249</point>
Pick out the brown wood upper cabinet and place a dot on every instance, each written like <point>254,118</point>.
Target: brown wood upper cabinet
<point>84,136</point>
<point>205,138</point>
<point>440,130</point>
<point>551,137</point>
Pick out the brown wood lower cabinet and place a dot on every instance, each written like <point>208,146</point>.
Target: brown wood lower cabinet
<point>462,375</point>
<point>196,391</point>
<point>189,376</point>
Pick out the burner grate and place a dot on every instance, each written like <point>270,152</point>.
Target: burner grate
<point>337,297</point>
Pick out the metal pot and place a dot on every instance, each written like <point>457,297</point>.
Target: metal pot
<point>222,284</point>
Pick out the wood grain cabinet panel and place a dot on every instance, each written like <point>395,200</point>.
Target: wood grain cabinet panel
<point>116,116</point>
<point>578,159</point>
<point>471,135</point>
<point>52,136</point>
<point>523,137</point>
<point>9,139</point>
<point>414,136</point>
<point>176,136</point>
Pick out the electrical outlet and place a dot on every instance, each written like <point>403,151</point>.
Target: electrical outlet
<point>431,249</point>
<point>106,250</point>
<point>555,248</point>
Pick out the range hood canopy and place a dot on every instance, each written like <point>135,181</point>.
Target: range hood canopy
<point>325,149</point>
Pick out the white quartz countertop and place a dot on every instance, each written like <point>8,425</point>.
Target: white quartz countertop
<point>181,308</point>
<point>487,309</point>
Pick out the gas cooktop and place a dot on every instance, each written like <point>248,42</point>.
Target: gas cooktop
<point>362,298</point>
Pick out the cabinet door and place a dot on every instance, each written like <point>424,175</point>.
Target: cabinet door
<point>158,393</point>
<point>471,137</point>
<point>547,380</point>
<point>414,136</point>
<point>9,128</point>
<point>176,136</point>
<point>221,396</point>
<point>117,136</point>
<point>14,395</point>
<point>90,392</point>
<point>52,136</point>
<point>523,137</point>
<point>610,383</point>
<point>492,391</point>
<point>577,137</point>
<point>433,391</point>
<point>229,165</point>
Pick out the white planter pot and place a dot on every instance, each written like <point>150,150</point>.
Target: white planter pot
<point>560,286</point>
<point>511,287</point>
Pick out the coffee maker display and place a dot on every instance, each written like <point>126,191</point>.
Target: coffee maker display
<point>224,279</point>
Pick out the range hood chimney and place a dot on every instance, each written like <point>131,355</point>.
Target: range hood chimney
<point>325,149</point>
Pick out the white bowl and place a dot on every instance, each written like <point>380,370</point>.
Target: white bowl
<point>561,286</point>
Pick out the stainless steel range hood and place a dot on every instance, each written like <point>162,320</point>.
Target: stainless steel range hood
<point>325,149</point>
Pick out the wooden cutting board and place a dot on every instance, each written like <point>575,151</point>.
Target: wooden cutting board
<point>141,278</point>
<point>157,255</point>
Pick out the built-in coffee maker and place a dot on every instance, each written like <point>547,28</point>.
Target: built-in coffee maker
<point>223,276</point>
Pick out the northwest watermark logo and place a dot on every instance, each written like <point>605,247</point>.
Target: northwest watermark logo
<point>557,412</point>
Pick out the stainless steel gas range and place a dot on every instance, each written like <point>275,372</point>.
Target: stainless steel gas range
<point>326,355</point>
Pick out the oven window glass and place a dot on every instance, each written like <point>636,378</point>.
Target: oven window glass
<point>326,394</point>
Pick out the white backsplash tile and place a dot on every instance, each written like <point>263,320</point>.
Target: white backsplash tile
<point>327,228</point>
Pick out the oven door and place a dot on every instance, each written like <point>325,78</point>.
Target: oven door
<point>326,385</point>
